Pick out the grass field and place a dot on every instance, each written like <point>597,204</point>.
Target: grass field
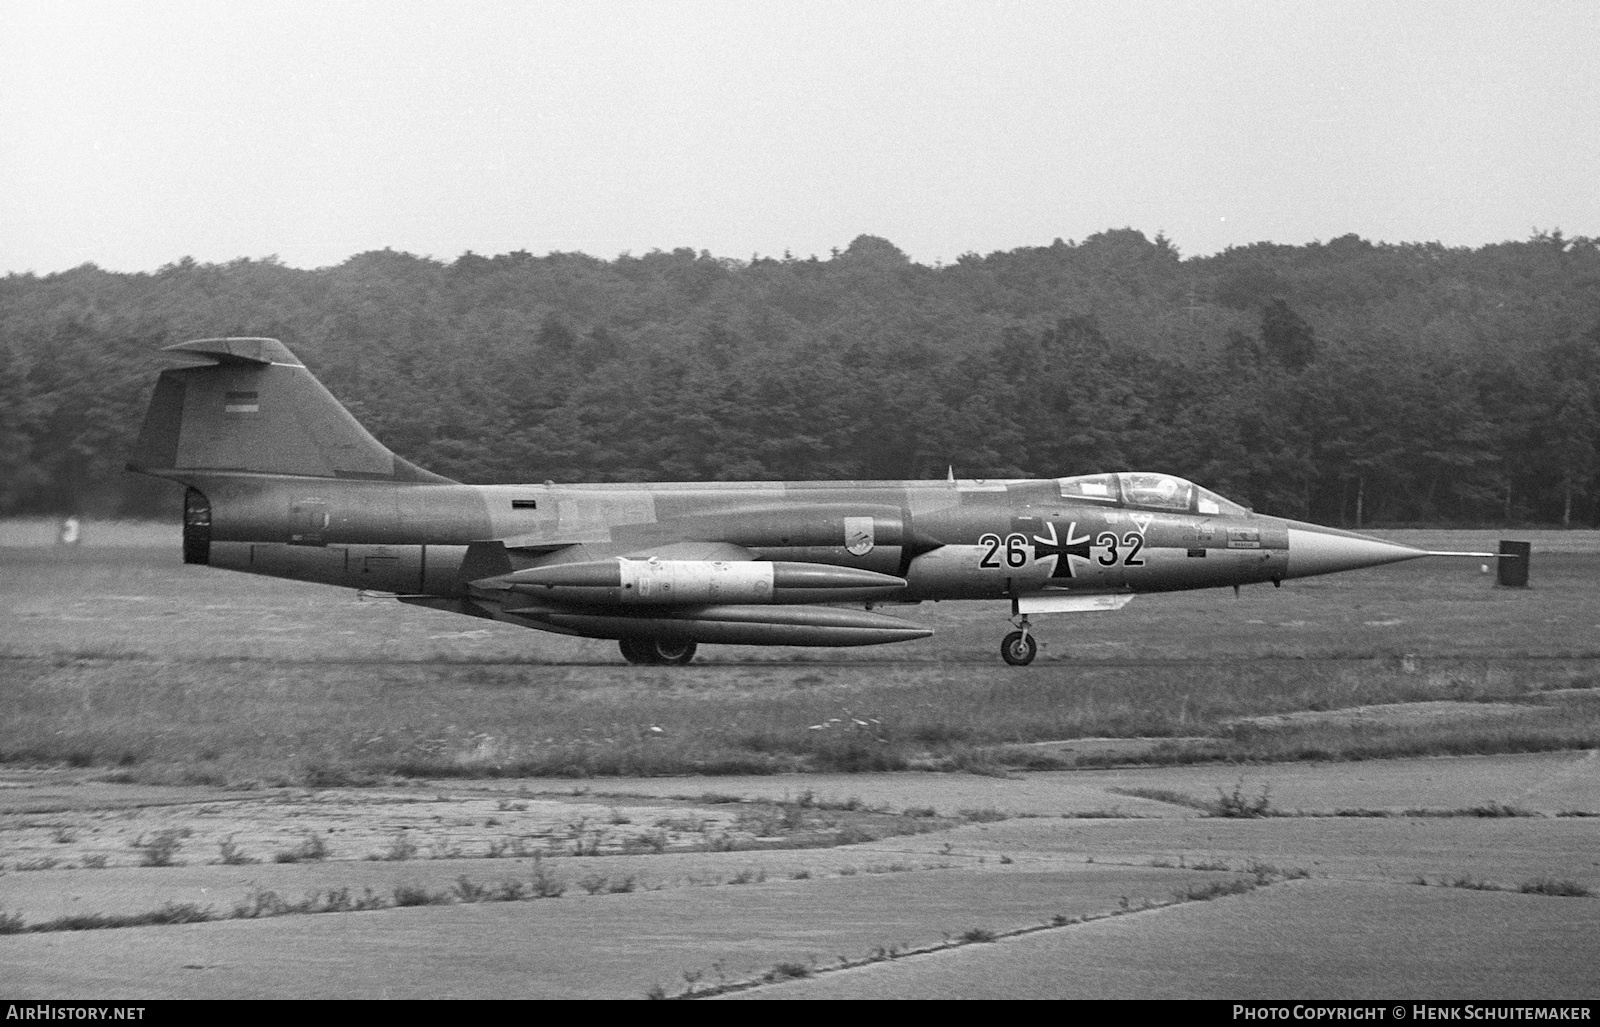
<point>118,656</point>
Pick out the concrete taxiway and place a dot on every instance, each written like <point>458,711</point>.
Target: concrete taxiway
<point>1389,881</point>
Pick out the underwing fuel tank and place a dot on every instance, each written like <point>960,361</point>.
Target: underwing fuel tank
<point>690,582</point>
<point>730,625</point>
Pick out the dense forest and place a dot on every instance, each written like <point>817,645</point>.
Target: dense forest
<point>1345,382</point>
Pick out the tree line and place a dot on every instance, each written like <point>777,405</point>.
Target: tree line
<point>1346,382</point>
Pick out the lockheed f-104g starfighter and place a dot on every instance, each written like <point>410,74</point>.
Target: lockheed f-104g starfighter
<point>282,480</point>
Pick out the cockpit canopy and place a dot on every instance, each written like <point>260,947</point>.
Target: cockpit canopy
<point>1147,491</point>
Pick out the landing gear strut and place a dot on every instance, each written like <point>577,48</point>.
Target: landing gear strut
<point>1019,648</point>
<point>655,651</point>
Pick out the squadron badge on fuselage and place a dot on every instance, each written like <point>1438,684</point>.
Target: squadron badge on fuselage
<point>858,536</point>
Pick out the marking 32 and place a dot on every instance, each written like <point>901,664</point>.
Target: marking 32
<point>1107,541</point>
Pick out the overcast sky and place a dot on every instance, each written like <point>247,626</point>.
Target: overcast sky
<point>136,133</point>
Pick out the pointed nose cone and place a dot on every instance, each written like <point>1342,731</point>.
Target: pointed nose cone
<point>1317,550</point>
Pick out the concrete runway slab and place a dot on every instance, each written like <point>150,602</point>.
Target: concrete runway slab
<point>607,946</point>
<point>1504,851</point>
<point>1300,940</point>
<point>1546,782</point>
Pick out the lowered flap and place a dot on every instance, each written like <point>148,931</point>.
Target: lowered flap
<point>1072,604</point>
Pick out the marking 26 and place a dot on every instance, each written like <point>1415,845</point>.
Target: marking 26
<point>1016,552</point>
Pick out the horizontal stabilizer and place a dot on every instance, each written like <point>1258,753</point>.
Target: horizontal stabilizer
<point>238,351</point>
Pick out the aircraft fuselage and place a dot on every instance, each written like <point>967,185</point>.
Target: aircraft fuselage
<point>282,480</point>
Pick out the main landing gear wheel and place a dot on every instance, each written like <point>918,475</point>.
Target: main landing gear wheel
<point>1019,649</point>
<point>637,650</point>
<point>653,651</point>
<point>673,652</point>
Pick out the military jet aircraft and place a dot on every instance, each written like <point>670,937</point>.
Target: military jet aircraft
<point>282,480</point>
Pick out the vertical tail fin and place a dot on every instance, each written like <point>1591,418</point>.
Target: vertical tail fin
<point>256,409</point>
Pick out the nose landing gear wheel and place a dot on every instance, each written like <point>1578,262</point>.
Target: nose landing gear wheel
<point>1019,649</point>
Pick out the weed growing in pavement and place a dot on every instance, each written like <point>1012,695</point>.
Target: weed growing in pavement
<point>1551,886</point>
<point>586,845</point>
<point>721,842</point>
<point>170,913</point>
<point>1266,873</point>
<point>337,900</point>
<point>39,863</point>
<point>1487,810</point>
<point>1216,889</point>
<point>160,850</point>
<point>545,885</point>
<point>312,849</point>
<point>1236,805</point>
<point>514,846</point>
<point>786,972</point>
<point>1165,795</point>
<point>414,895</point>
<point>467,890</point>
<point>1473,883</point>
<point>510,890</point>
<point>261,902</point>
<point>655,841</point>
<point>401,848</point>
